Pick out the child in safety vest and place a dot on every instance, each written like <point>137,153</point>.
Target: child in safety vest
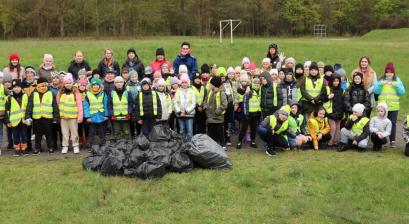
<point>319,127</point>
<point>334,107</point>
<point>296,123</point>
<point>3,99</point>
<point>184,106</point>
<point>273,130</point>
<point>390,88</point>
<point>174,86</point>
<point>216,105</point>
<point>406,134</point>
<point>166,102</point>
<point>71,113</point>
<point>148,107</point>
<point>57,80</point>
<point>133,86</point>
<point>96,112</point>
<point>356,130</point>
<point>120,105</point>
<point>250,110</point>
<point>228,89</point>
<point>83,127</point>
<point>43,110</point>
<point>199,123</point>
<point>8,88</point>
<point>15,118</point>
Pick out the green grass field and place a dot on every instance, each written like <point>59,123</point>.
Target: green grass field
<point>293,187</point>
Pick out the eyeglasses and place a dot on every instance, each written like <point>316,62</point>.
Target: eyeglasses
<point>185,48</point>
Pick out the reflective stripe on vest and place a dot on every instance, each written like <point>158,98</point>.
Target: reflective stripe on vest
<point>120,106</point>
<point>407,121</point>
<point>254,103</point>
<point>389,96</point>
<point>309,87</point>
<point>44,107</point>
<point>154,102</point>
<point>199,95</point>
<point>217,99</point>
<point>358,127</point>
<point>17,112</point>
<point>273,123</point>
<point>328,105</point>
<point>95,104</point>
<point>68,106</point>
<point>317,128</point>
<point>275,94</point>
<point>2,99</point>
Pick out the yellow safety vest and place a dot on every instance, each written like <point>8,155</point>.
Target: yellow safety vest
<point>68,106</point>
<point>254,103</point>
<point>407,121</point>
<point>358,127</point>
<point>389,96</point>
<point>199,95</point>
<point>17,112</point>
<point>317,128</point>
<point>95,104</point>
<point>3,99</point>
<point>154,101</point>
<point>44,107</point>
<point>309,86</point>
<point>273,123</point>
<point>328,105</point>
<point>217,98</point>
<point>120,106</point>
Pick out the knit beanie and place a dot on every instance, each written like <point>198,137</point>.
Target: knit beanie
<point>358,108</point>
<point>216,81</point>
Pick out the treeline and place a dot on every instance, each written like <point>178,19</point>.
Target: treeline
<point>62,18</point>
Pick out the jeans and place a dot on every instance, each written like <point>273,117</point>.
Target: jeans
<point>186,127</point>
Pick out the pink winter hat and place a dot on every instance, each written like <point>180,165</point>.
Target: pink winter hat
<point>68,77</point>
<point>230,70</point>
<point>184,78</point>
<point>161,82</point>
<point>174,80</point>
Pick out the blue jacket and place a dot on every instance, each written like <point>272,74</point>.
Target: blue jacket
<point>98,117</point>
<point>400,89</point>
<point>188,60</point>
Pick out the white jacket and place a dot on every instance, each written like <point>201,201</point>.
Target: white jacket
<point>185,101</point>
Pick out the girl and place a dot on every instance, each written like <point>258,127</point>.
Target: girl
<point>270,96</point>
<point>83,127</point>
<point>288,89</point>
<point>281,75</point>
<point>380,127</point>
<point>296,123</point>
<point>335,109</point>
<point>174,84</point>
<point>357,93</point>
<point>133,87</point>
<point>250,110</point>
<point>71,114</point>
<point>47,67</point>
<point>318,127</point>
<point>148,107</point>
<point>15,118</point>
<point>166,102</point>
<point>266,65</point>
<point>184,105</point>
<point>245,64</point>
<point>369,80</point>
<point>274,75</point>
<point>390,88</point>
<point>199,124</point>
<point>289,64</point>
<point>14,69</point>
<point>328,71</point>
<point>299,73</point>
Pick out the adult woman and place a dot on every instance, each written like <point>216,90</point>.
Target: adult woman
<point>14,69</point>
<point>108,63</point>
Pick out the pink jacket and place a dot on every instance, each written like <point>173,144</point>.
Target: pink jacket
<point>156,65</point>
<point>78,100</point>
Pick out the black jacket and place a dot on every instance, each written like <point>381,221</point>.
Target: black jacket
<point>148,106</point>
<point>356,94</point>
<point>30,105</point>
<point>136,65</point>
<point>74,68</point>
<point>337,104</point>
<point>102,68</point>
<point>365,132</point>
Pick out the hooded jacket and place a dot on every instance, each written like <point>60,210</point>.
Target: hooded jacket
<point>382,124</point>
<point>288,91</point>
<point>135,64</point>
<point>267,95</point>
<point>337,101</point>
<point>356,94</point>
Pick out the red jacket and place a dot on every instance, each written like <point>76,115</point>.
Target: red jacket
<point>156,65</point>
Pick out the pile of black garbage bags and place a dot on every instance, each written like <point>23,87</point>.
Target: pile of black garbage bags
<point>151,158</point>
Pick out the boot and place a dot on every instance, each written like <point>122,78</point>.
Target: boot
<point>76,149</point>
<point>64,150</point>
<point>342,147</point>
<point>253,145</point>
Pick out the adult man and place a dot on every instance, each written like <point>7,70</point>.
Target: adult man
<point>185,58</point>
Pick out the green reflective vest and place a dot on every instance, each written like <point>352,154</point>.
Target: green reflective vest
<point>120,106</point>
<point>44,107</point>
<point>328,105</point>
<point>17,112</point>
<point>154,101</point>
<point>3,99</point>
<point>254,103</point>
<point>317,128</point>
<point>199,95</point>
<point>309,86</point>
<point>273,123</point>
<point>217,98</point>
<point>68,106</point>
<point>95,104</point>
<point>389,96</point>
<point>358,127</point>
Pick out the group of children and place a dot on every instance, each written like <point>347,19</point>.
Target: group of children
<point>288,105</point>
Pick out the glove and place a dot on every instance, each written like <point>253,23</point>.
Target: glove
<point>29,121</point>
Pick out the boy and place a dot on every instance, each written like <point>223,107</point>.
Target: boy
<point>42,108</point>
<point>149,108</point>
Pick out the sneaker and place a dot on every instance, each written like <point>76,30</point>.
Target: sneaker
<point>24,153</point>
<point>51,150</point>
<point>224,148</point>
<point>76,149</point>
<point>64,150</point>
<point>271,152</point>
<point>36,152</point>
<point>393,144</point>
<point>238,145</point>
<point>228,143</point>
<point>253,145</point>
<point>16,153</point>
<point>342,147</point>
<point>33,137</point>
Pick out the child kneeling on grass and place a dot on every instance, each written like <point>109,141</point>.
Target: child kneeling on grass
<point>71,114</point>
<point>380,127</point>
<point>14,118</point>
<point>356,130</point>
<point>319,127</point>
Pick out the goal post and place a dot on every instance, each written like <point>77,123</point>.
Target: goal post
<point>232,23</point>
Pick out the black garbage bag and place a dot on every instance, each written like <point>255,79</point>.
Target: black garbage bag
<point>93,162</point>
<point>160,133</point>
<point>98,150</point>
<point>207,153</point>
<point>181,162</point>
<point>407,150</point>
<point>159,153</point>
<point>135,158</point>
<point>113,163</point>
<point>122,145</point>
<point>150,170</point>
<point>141,142</point>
